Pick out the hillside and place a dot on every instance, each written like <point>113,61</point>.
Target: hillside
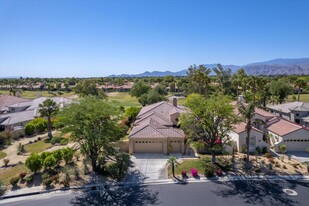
<point>272,67</point>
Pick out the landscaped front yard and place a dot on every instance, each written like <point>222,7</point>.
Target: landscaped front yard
<point>258,166</point>
<point>8,173</point>
<point>37,147</point>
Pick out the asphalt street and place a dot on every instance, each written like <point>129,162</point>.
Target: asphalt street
<point>193,194</point>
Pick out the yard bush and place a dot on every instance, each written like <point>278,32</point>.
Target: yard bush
<point>2,189</point>
<point>209,171</point>
<point>49,162</point>
<point>268,155</point>
<point>118,169</point>
<point>29,179</point>
<point>264,150</point>
<point>46,180</point>
<point>14,181</point>
<point>282,148</point>
<point>6,162</point>
<point>58,156</point>
<point>20,149</point>
<point>29,129</point>
<point>45,154</point>
<point>64,141</point>
<point>34,163</point>
<point>22,175</point>
<point>244,149</point>
<point>67,154</point>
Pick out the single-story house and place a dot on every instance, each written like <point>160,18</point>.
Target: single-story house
<point>155,130</point>
<point>6,100</point>
<point>19,114</point>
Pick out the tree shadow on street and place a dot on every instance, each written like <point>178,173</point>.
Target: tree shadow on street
<point>117,195</point>
<point>257,192</point>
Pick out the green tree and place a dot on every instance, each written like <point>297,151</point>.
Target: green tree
<point>160,89</point>
<point>224,78</point>
<point>93,123</point>
<point>131,113</point>
<point>139,89</point>
<point>247,113</point>
<point>34,163</point>
<point>89,88</point>
<point>199,79</point>
<point>280,89</point>
<point>209,121</point>
<point>172,86</point>
<point>151,97</point>
<point>47,109</point>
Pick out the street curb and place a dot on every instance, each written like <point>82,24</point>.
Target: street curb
<point>165,181</point>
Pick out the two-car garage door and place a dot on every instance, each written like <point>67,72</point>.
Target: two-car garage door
<point>297,145</point>
<point>149,146</point>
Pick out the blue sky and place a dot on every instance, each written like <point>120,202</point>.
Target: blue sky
<point>55,38</point>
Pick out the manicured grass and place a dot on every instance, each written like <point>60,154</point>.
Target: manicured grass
<point>303,98</point>
<point>2,155</point>
<point>33,94</point>
<point>124,99</point>
<point>7,173</point>
<point>37,147</point>
<point>187,165</point>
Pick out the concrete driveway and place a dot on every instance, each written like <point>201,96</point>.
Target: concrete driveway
<point>148,166</point>
<point>300,156</point>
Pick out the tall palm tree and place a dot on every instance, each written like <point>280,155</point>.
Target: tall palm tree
<point>172,161</point>
<point>247,112</point>
<point>300,83</point>
<point>47,109</point>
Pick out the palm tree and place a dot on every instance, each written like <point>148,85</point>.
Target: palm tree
<point>47,109</point>
<point>172,161</point>
<point>300,83</point>
<point>247,112</point>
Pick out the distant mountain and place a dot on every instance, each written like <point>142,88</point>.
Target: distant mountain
<point>272,67</point>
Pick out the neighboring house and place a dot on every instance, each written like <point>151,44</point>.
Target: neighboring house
<point>6,100</point>
<point>19,114</point>
<point>117,88</point>
<point>295,137</point>
<point>297,112</point>
<point>155,130</point>
<point>273,129</point>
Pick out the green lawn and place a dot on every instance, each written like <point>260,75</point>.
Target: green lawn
<point>2,155</point>
<point>303,98</point>
<point>33,94</point>
<point>7,173</point>
<point>37,147</point>
<point>187,165</point>
<point>124,99</point>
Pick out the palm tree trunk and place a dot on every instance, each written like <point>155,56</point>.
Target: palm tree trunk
<point>50,135</point>
<point>173,169</point>
<point>248,144</point>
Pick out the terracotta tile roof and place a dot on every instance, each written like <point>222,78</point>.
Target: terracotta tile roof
<point>154,115</point>
<point>153,129</point>
<point>283,127</point>
<point>241,127</point>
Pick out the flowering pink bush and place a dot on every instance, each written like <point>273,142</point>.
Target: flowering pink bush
<point>219,172</point>
<point>184,173</point>
<point>194,172</point>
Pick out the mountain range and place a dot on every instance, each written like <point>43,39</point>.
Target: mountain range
<point>273,67</point>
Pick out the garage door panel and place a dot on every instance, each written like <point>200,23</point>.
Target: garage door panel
<point>176,146</point>
<point>148,147</point>
<point>293,145</point>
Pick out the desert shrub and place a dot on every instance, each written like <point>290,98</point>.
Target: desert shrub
<point>76,173</point>
<point>85,167</point>
<point>49,162</point>
<point>295,165</point>
<point>20,149</point>
<point>55,140</point>
<point>77,156</point>
<point>64,141</point>
<point>22,175</point>
<point>258,170</point>
<point>5,139</point>
<point>45,154</point>
<point>34,163</point>
<point>118,169</point>
<point>209,171</point>
<point>6,161</point>
<point>264,150</point>
<point>47,180</point>
<point>223,164</point>
<point>244,148</point>
<point>282,148</point>
<point>40,124</point>
<point>271,160</point>
<point>284,167</point>
<point>29,129</point>
<point>67,154</point>
<point>66,179</point>
<point>268,155</point>
<point>14,181</point>
<point>277,164</point>
<point>29,179</point>
<point>258,150</point>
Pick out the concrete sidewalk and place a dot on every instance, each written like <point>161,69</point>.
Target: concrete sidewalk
<point>41,190</point>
